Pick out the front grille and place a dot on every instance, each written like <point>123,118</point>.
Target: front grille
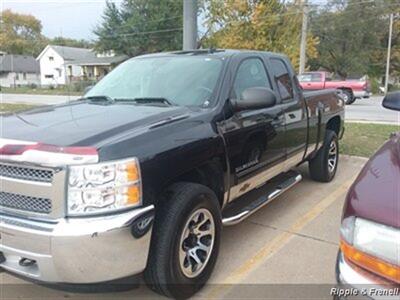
<point>24,173</point>
<point>25,203</point>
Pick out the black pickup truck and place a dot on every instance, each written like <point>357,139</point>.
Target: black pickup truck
<point>140,174</point>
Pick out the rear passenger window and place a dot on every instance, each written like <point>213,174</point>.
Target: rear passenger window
<point>251,73</point>
<point>282,78</point>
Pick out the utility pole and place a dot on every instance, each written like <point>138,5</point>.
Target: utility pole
<point>388,53</point>
<point>303,43</point>
<point>189,24</point>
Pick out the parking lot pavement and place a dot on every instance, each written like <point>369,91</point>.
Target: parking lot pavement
<point>371,110</point>
<point>293,240</point>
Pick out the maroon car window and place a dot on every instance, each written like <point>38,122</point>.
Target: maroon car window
<point>282,78</point>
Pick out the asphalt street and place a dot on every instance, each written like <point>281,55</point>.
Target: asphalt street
<point>371,110</point>
<point>35,99</point>
<point>364,110</point>
<point>286,250</point>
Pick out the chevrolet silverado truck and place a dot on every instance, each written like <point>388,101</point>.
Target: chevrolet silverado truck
<point>350,89</point>
<point>140,174</point>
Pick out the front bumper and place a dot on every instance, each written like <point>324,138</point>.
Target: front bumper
<point>370,286</point>
<point>78,250</point>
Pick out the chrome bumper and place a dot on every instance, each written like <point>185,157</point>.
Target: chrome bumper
<point>79,250</point>
<point>349,276</point>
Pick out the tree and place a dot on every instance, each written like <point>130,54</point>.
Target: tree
<point>140,26</point>
<point>268,25</point>
<point>62,41</point>
<point>20,34</point>
<point>353,36</point>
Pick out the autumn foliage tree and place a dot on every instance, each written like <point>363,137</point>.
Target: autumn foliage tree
<point>20,33</point>
<point>267,25</point>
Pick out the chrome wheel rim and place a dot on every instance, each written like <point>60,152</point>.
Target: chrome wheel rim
<point>196,243</point>
<point>332,156</point>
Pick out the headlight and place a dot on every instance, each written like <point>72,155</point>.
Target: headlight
<point>378,240</point>
<point>104,187</point>
<point>373,246</point>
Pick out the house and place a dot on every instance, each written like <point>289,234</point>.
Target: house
<point>18,70</point>
<point>60,65</point>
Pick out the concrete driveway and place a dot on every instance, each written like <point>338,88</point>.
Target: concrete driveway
<point>286,250</point>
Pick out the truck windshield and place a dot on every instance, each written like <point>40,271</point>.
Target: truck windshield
<point>186,81</point>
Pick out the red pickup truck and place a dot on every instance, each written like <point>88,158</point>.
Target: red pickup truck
<point>350,89</point>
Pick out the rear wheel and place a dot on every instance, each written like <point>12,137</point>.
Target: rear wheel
<point>324,165</point>
<point>185,241</point>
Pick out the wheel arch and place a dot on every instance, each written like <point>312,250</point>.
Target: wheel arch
<point>210,174</point>
<point>334,124</point>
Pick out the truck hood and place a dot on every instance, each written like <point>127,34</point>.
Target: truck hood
<point>375,195</point>
<point>84,123</point>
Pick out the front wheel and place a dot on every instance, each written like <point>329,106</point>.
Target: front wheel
<point>324,165</point>
<point>185,243</point>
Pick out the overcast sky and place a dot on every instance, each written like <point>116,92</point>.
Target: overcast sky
<point>69,18</point>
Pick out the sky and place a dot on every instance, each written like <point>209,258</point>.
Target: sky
<point>67,18</point>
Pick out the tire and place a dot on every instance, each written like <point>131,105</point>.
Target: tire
<point>165,272</point>
<point>348,97</point>
<point>320,166</point>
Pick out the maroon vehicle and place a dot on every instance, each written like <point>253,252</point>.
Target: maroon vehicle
<point>369,255</point>
<point>350,89</point>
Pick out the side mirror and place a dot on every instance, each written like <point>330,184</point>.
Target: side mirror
<point>392,101</point>
<point>255,98</point>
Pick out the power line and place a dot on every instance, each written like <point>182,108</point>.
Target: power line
<point>145,32</point>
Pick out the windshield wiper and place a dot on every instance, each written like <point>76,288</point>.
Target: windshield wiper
<point>147,100</point>
<point>98,98</point>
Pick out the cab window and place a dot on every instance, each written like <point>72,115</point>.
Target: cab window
<point>282,79</point>
<point>251,73</point>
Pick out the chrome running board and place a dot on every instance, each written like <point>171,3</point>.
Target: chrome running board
<point>248,204</point>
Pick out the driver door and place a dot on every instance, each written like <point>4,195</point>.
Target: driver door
<point>254,138</point>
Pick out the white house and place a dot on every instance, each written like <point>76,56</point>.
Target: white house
<point>18,70</point>
<point>60,64</point>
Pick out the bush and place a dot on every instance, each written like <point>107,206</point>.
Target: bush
<point>375,86</point>
<point>393,87</point>
<point>80,86</point>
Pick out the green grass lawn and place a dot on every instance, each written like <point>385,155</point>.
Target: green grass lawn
<point>8,107</point>
<point>61,90</point>
<point>364,139</point>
